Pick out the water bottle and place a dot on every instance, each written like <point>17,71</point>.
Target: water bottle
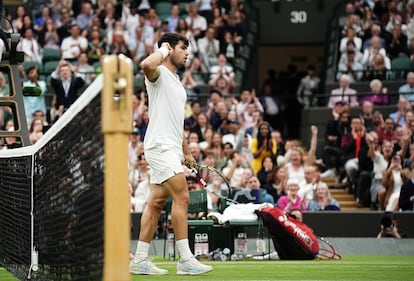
<point>204,243</point>
<point>241,245</point>
<point>260,245</point>
<point>198,250</point>
<point>171,245</point>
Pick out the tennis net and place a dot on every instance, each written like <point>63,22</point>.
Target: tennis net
<point>51,198</point>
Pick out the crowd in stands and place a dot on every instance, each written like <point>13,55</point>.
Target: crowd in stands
<point>251,137</point>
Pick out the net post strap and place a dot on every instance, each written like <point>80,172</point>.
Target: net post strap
<point>117,127</point>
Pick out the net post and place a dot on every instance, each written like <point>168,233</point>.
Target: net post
<point>117,127</point>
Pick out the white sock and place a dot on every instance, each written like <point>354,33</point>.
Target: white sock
<point>183,248</point>
<point>142,251</point>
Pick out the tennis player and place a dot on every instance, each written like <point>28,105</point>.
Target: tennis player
<point>165,149</point>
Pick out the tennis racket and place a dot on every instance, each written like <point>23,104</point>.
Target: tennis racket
<point>210,176</point>
<point>327,250</point>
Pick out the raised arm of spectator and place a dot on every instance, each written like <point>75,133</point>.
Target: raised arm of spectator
<point>314,142</point>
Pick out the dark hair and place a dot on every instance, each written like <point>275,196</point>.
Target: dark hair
<point>172,39</point>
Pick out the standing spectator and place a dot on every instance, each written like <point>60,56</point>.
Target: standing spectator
<point>131,21</point>
<point>73,45</point>
<point>262,146</point>
<point>344,93</point>
<point>309,88</point>
<point>65,85</point>
<point>66,23</point>
<point>406,199</point>
<point>392,180</point>
<point>323,200</point>
<point>17,22</point>
<point>34,103</point>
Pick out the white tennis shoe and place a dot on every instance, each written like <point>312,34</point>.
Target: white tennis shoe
<point>145,267</point>
<point>192,267</point>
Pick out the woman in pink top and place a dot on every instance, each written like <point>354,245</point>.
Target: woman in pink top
<point>291,200</point>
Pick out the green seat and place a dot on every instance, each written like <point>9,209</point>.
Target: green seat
<point>51,55</point>
<point>400,66</point>
<point>163,9</point>
<point>49,67</point>
<point>28,64</point>
<point>197,204</point>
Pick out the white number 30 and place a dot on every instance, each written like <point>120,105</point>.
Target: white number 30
<point>298,17</point>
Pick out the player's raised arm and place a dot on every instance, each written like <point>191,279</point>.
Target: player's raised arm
<point>150,64</point>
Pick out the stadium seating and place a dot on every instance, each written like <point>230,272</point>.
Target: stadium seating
<point>400,66</point>
<point>163,9</point>
<point>51,55</point>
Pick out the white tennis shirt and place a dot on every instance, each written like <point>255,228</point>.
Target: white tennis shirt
<point>166,107</point>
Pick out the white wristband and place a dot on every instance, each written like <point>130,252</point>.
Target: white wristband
<point>164,51</point>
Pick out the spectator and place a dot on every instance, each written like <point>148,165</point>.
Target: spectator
<point>392,180</point>
<point>350,46</point>
<point>118,45</point>
<point>33,103</point>
<point>184,29</point>
<point>277,182</point>
<point>235,134</point>
<point>73,45</point>
<point>196,23</point>
<point>351,35</point>
<point>366,116</point>
<point>351,67</point>
<point>309,88</point>
<point>41,20</point>
<point>398,45</point>
<point>266,170</point>
<point>84,19</point>
<point>381,156</point>
<point>35,130</point>
<point>141,175</point>
<point>406,91</point>
<point>402,107</point>
<point>229,47</point>
<point>273,108</point>
<point>378,95</point>
<point>344,93</point>
<point>66,23</point>
<point>295,163</point>
<point>134,145</point>
<point>406,198</point>
<point>323,200</point>
<point>130,21</point>
<point>173,18</point>
<point>374,49</point>
<point>209,47</point>
<point>217,149</point>
<point>262,146</point>
<point>261,194</point>
<point>375,31</point>
<point>17,22</point>
<point>29,45</point>
<point>291,200</point>
<point>309,184</point>
<point>4,86</point>
<point>235,168</point>
<point>48,36</point>
<point>153,20</point>
<point>389,227</point>
<point>378,68</point>
<point>83,69</point>
<point>386,132</point>
<point>65,85</point>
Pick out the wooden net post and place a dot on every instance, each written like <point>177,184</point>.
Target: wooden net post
<point>117,127</point>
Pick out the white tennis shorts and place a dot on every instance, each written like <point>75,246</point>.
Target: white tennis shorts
<point>165,162</point>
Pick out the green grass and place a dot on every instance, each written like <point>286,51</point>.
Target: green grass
<point>361,268</point>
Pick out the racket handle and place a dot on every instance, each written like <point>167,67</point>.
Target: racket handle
<point>200,179</point>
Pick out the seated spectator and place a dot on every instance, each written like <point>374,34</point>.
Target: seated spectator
<point>173,18</point>
<point>344,93</point>
<point>291,200</point>
<point>29,46</point>
<point>378,95</point>
<point>375,31</point>
<point>222,67</point>
<point>48,36</point>
<point>262,197</point>
<point>35,130</point>
<point>73,45</point>
<point>374,49</point>
<point>83,69</point>
<point>309,184</point>
<point>386,132</point>
<point>378,68</point>
<point>351,67</point>
<point>197,23</point>
<point>223,83</point>
<point>229,46</point>
<point>209,47</point>
<point>235,168</point>
<point>153,19</point>
<point>402,107</point>
<point>406,91</point>
<point>350,35</point>
<point>277,184</point>
<point>350,45</point>
<point>266,170</point>
<point>322,200</point>
<point>398,43</point>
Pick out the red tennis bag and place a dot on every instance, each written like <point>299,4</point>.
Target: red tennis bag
<point>293,240</point>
